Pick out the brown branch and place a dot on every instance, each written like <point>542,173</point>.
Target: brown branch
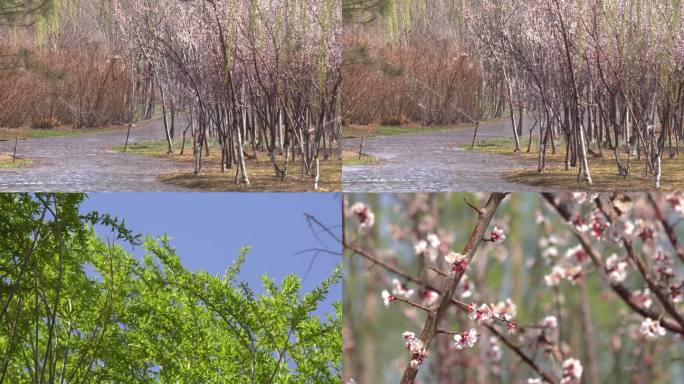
<point>521,354</point>
<point>473,242</point>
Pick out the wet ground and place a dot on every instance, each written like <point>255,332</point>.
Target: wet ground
<point>86,163</point>
<point>433,162</point>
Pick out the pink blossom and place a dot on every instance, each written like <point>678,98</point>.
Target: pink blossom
<point>549,322</point>
<point>572,371</point>
<point>498,235</point>
<point>399,289</point>
<point>494,352</point>
<point>364,215</point>
<point>458,261</point>
<point>651,328</point>
<point>554,278</point>
<point>617,269</point>
<point>387,298</point>
<point>465,339</point>
<point>643,297</point>
<point>579,223</point>
<point>481,313</point>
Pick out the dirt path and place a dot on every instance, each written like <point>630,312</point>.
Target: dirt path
<point>434,162</point>
<point>86,163</point>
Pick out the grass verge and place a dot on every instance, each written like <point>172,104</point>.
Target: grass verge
<point>260,171</point>
<point>602,167</point>
<point>33,133</point>
<point>6,162</point>
<point>353,131</point>
<point>353,158</point>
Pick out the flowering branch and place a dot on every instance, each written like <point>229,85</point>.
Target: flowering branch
<point>617,287</point>
<point>485,216</point>
<point>652,285</point>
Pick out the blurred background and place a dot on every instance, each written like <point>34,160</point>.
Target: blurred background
<point>595,326</point>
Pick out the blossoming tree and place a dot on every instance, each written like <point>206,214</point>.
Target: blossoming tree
<point>247,73</point>
<point>556,288</point>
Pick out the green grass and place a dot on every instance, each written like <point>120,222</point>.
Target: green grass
<point>31,133</point>
<point>372,130</point>
<point>602,168</point>
<point>259,170</point>
<point>6,162</point>
<point>152,148</point>
<point>352,158</point>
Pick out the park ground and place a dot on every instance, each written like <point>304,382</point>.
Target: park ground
<point>65,159</point>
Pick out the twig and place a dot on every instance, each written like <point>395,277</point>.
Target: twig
<point>473,206</point>
<point>412,303</point>
<point>669,229</point>
<point>521,354</point>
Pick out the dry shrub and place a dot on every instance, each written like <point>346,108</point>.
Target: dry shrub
<point>87,87</point>
<point>431,82</point>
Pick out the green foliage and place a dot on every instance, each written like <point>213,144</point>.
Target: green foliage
<point>74,308</point>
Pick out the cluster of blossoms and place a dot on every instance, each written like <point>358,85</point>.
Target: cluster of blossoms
<point>416,347</point>
<point>466,339</point>
<point>645,230</point>
<point>494,352</point>
<point>387,298</point>
<point>497,235</point>
<point>549,322</point>
<point>429,296</point>
<point>601,229</point>
<point>664,268</point>
<point>651,328</point>
<point>599,225</point>
<point>429,247</point>
<point>364,215</point>
<point>583,197</point>
<point>503,311</point>
<point>676,201</point>
<point>398,289</point>
<point>616,268</point>
<point>572,371</point>
<point>458,261</point>
<point>571,267</point>
<point>465,287</point>
<point>642,298</point>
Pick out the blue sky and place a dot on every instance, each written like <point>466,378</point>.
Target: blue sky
<point>208,229</point>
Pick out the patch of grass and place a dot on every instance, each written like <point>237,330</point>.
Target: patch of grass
<point>352,158</point>
<point>602,167</point>
<point>6,162</point>
<point>33,133</point>
<point>353,131</point>
<point>152,148</point>
<point>260,170</point>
